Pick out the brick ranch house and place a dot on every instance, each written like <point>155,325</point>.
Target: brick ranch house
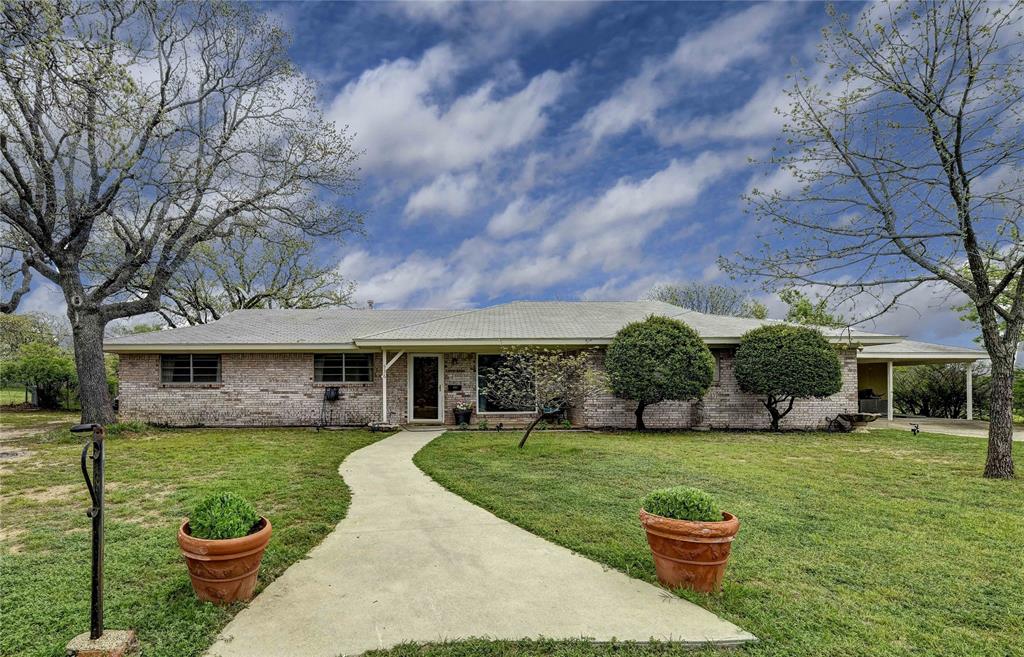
<point>284,367</point>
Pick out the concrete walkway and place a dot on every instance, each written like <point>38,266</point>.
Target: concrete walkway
<point>413,562</point>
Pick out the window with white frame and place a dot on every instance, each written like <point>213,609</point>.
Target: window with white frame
<point>190,368</point>
<point>485,364</point>
<point>343,368</point>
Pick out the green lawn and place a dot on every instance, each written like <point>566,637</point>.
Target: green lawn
<point>153,478</point>
<point>859,544</point>
<point>12,395</point>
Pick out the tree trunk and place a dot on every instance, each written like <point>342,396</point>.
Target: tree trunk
<point>529,429</point>
<point>774,426</point>
<point>999,464</point>
<point>87,331</point>
<point>640,416</point>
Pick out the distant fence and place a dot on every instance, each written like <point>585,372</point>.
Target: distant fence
<point>62,397</point>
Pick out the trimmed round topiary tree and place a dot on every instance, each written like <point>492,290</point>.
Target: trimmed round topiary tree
<point>784,363</point>
<point>656,360</point>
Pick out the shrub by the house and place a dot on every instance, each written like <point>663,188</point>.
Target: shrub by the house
<point>656,360</point>
<point>784,363</point>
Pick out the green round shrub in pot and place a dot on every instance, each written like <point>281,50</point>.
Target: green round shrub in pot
<point>690,537</point>
<point>223,543</point>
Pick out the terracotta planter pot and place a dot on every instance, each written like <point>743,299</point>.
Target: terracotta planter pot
<point>690,554</point>
<point>224,571</point>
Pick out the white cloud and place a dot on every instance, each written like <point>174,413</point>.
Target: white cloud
<point>492,27</point>
<point>401,122</point>
<point>606,229</point>
<point>755,119</point>
<point>519,216</point>
<point>446,194</point>
<point>394,282</point>
<point>725,43</point>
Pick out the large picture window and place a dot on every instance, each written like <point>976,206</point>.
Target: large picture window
<point>190,368</point>
<point>342,368</point>
<point>485,364</point>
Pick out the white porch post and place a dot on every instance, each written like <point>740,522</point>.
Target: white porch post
<point>970,391</point>
<point>888,394</point>
<point>384,382</point>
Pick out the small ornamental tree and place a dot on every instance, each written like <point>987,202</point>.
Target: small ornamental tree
<point>546,381</point>
<point>656,360</point>
<point>44,366</point>
<point>784,363</point>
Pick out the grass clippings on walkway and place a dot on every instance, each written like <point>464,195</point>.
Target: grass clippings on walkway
<point>880,544</point>
<point>153,479</point>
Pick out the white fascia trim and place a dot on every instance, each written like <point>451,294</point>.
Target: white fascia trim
<point>965,356</point>
<point>300,347</point>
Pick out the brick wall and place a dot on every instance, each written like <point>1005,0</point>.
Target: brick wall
<point>256,389</point>
<point>277,389</point>
<point>725,406</point>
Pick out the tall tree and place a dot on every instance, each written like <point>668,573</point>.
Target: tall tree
<point>905,151</point>
<point>709,298</point>
<point>15,279</point>
<point>133,131</point>
<point>249,270</point>
<point>802,310</point>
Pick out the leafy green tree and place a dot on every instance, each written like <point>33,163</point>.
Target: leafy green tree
<point>45,366</point>
<point>784,363</point>
<point>710,299</point>
<point>810,313</point>
<point>934,390</point>
<point>546,381</point>
<point>656,360</point>
<point>25,328</point>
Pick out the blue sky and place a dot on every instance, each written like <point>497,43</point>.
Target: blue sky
<point>557,150</point>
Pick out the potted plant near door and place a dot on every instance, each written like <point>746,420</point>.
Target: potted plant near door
<point>223,543</point>
<point>463,412</point>
<point>689,536</point>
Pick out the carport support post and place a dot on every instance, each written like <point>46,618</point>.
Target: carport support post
<point>888,394</point>
<point>970,391</point>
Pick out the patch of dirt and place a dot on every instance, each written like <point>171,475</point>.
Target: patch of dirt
<point>15,454</point>
<point>60,493</point>
<point>9,535</point>
<point>7,435</point>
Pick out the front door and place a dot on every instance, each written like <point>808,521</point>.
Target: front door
<point>425,399</point>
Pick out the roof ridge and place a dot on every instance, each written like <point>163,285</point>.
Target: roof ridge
<point>426,321</point>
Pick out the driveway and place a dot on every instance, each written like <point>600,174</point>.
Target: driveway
<point>950,427</point>
<point>413,562</point>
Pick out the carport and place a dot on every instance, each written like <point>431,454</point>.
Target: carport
<point>875,368</point>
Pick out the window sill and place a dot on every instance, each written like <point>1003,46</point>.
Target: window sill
<point>339,384</point>
<point>191,385</point>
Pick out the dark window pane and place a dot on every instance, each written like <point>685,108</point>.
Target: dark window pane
<point>190,368</point>
<point>328,368</point>
<point>342,368</point>
<point>175,368</point>
<point>205,368</point>
<point>486,363</point>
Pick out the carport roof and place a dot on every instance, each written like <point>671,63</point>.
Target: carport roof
<point>913,352</point>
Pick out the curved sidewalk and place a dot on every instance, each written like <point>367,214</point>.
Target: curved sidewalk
<point>414,562</point>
